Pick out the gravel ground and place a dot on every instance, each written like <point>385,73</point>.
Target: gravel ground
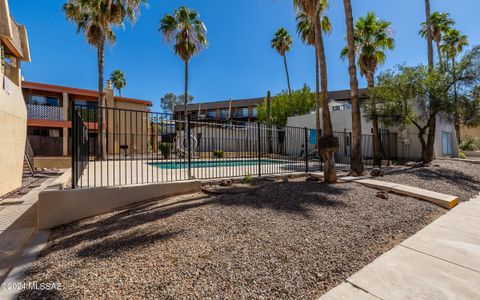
<point>281,240</point>
<point>457,178</point>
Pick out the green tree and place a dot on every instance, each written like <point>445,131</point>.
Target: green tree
<point>441,22</point>
<point>453,44</point>
<point>372,37</point>
<point>96,19</point>
<point>282,42</point>
<point>303,99</point>
<point>169,100</point>
<point>117,78</point>
<point>327,144</point>
<point>413,95</point>
<point>190,35</point>
<point>356,162</point>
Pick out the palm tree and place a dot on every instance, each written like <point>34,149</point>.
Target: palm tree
<point>453,44</point>
<point>314,10</point>
<point>356,162</point>
<point>190,35</point>
<point>282,42</point>
<point>372,37</point>
<point>441,23</point>
<point>96,19</point>
<point>117,78</point>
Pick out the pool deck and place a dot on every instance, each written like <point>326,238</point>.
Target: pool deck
<point>126,172</point>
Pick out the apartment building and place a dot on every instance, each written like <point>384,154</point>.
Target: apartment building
<point>49,110</point>
<point>243,109</point>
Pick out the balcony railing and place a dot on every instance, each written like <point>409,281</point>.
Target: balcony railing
<point>45,112</point>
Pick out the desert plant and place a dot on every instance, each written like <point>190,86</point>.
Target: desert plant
<point>248,179</point>
<point>462,155</point>
<point>218,153</point>
<point>468,144</point>
<point>166,149</point>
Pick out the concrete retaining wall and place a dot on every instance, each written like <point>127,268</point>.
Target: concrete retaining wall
<point>58,207</point>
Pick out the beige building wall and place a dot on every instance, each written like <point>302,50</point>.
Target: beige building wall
<point>13,123</point>
<point>128,124</point>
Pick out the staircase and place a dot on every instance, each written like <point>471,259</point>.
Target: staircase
<point>28,161</point>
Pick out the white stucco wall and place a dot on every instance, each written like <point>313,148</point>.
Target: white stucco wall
<point>408,144</point>
<point>13,124</point>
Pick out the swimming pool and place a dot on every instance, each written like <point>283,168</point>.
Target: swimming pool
<point>215,163</point>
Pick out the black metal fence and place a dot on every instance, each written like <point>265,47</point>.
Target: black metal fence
<point>134,147</point>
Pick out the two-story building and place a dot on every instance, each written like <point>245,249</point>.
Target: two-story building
<point>49,117</point>
<point>242,109</point>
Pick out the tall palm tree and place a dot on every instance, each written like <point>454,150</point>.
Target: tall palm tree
<point>372,37</point>
<point>282,42</point>
<point>190,35</point>
<point>441,22</point>
<point>314,10</point>
<point>117,78</point>
<point>453,43</point>
<point>96,19</point>
<point>356,162</point>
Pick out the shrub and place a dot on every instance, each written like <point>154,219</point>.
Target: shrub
<point>248,179</point>
<point>462,155</point>
<point>166,149</point>
<point>218,153</point>
<point>468,144</point>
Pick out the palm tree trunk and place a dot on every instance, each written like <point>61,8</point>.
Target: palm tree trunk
<point>330,173</point>
<point>356,162</point>
<point>185,100</point>
<point>429,153</point>
<point>377,149</point>
<point>120,92</point>
<point>429,33</point>
<point>288,83</point>
<point>439,51</point>
<point>102,149</point>
<point>456,117</point>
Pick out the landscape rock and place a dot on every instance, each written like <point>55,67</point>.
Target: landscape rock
<point>376,172</point>
<point>226,182</point>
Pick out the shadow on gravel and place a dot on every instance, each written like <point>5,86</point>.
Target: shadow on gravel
<point>459,178</point>
<point>112,246</point>
<point>291,197</point>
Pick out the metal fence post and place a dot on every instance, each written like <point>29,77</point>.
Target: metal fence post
<point>306,150</point>
<point>189,145</point>
<point>74,146</point>
<point>259,151</point>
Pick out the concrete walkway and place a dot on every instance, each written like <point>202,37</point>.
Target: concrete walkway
<point>442,261</point>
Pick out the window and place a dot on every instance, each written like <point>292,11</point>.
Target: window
<point>241,113</point>
<point>88,104</point>
<point>43,100</point>
<point>224,114</point>
<point>254,112</point>
<point>212,114</point>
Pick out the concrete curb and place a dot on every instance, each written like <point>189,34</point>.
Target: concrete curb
<point>443,200</point>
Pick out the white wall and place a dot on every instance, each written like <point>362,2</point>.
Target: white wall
<point>408,144</point>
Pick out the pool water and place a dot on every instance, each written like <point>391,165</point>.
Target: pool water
<point>214,163</point>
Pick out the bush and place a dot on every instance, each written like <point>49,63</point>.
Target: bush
<point>218,153</point>
<point>462,155</point>
<point>166,149</point>
<point>248,179</point>
<point>468,144</point>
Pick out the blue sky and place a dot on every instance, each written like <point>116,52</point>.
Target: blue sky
<point>238,63</point>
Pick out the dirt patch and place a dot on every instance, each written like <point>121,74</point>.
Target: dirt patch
<point>287,240</point>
